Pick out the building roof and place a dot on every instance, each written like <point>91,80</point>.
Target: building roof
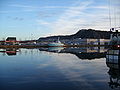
<point>11,39</point>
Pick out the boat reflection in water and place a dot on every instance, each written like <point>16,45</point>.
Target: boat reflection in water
<point>113,62</point>
<point>80,52</point>
<point>55,49</point>
<point>9,51</point>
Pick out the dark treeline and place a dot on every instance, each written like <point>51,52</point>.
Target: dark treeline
<point>83,34</point>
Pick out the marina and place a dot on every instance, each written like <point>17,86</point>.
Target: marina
<point>60,45</point>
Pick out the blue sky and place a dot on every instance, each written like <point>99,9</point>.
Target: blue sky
<point>31,19</point>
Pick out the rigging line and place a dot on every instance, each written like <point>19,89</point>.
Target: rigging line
<point>115,15</point>
<point>109,13</point>
<point>118,15</point>
<point>119,21</point>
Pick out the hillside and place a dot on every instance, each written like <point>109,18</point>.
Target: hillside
<point>83,34</point>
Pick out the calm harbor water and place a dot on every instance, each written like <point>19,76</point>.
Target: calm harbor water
<point>55,69</point>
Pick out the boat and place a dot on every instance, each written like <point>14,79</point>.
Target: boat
<point>113,63</point>
<point>56,44</point>
<point>114,26</point>
<point>115,39</point>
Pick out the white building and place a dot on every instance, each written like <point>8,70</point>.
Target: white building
<point>80,41</point>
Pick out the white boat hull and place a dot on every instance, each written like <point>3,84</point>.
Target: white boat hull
<point>55,44</point>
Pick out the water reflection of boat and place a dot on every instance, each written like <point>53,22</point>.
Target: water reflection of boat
<point>9,51</point>
<point>113,56</point>
<point>52,49</point>
<point>55,49</point>
<point>113,62</point>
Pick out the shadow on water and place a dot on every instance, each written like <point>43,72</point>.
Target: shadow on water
<point>113,62</point>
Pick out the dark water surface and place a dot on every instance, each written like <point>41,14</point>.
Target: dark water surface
<point>54,69</point>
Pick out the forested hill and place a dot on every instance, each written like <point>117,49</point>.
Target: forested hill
<point>83,34</point>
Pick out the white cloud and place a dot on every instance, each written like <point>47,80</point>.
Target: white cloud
<point>77,16</point>
<point>68,20</point>
<point>99,7</point>
<point>74,18</point>
<point>41,22</point>
<point>37,7</point>
<point>82,15</point>
<point>21,6</point>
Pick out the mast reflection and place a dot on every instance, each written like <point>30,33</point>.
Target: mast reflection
<point>113,62</point>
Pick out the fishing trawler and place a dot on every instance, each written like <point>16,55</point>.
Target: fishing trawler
<point>115,39</point>
<point>56,44</point>
<point>114,21</point>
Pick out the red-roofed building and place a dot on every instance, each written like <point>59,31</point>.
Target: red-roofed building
<point>11,41</point>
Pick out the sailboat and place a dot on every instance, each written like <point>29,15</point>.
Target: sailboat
<point>56,44</point>
<point>115,35</point>
<point>115,39</point>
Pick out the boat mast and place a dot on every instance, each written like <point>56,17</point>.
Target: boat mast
<point>109,14</point>
<point>114,19</point>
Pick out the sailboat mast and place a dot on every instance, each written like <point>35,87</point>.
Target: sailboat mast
<point>109,14</point>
